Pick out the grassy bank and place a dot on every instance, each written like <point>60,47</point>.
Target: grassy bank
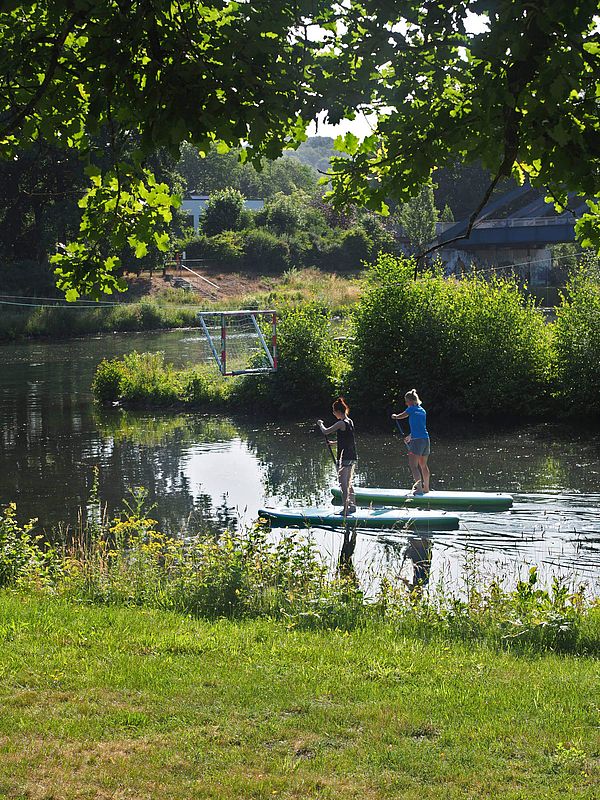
<point>67,321</point>
<point>108,702</point>
<point>249,574</point>
<point>176,308</point>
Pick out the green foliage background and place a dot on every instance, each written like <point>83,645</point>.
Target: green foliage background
<point>472,346</point>
<point>577,343</point>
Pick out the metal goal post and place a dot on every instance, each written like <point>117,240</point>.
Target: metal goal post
<point>242,342</point>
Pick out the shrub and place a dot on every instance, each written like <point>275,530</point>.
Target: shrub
<point>194,247</point>
<point>266,252</point>
<point>283,214</point>
<point>106,383</point>
<point>471,346</point>
<point>57,322</point>
<point>577,343</point>
<point>223,212</point>
<point>146,379</point>
<point>347,249</point>
<point>22,558</point>
<point>227,247</point>
<point>310,364</point>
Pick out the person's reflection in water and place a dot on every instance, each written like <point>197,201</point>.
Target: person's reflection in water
<point>419,551</point>
<point>345,565</point>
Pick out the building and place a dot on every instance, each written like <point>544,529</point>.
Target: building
<point>195,204</point>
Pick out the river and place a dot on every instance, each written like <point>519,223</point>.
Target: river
<point>207,470</point>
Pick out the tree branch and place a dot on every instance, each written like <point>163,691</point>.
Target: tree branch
<point>56,51</point>
<point>472,221</point>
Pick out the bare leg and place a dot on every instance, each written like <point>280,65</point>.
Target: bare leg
<point>351,495</point>
<point>413,462</point>
<point>424,471</point>
<point>345,475</point>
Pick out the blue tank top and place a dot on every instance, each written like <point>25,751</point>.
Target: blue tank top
<point>417,418</point>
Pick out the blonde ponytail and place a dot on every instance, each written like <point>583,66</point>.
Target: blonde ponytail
<point>412,395</point>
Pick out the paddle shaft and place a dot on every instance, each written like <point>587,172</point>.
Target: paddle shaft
<point>400,429</point>
<point>333,458</point>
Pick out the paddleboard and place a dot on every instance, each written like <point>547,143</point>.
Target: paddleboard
<point>390,518</point>
<point>464,501</point>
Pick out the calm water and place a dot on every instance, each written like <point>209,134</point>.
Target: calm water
<point>220,470</point>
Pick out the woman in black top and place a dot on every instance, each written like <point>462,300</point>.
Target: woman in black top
<point>346,451</point>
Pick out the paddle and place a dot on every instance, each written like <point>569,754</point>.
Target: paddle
<point>402,433</point>
<point>333,458</point>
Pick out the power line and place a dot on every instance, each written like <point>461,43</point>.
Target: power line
<point>528,263</point>
<point>57,300</point>
<point>58,305</point>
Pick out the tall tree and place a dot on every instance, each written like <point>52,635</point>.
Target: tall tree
<point>418,217</point>
<point>206,173</point>
<point>115,79</point>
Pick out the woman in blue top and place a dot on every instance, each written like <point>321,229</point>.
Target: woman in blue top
<point>417,441</point>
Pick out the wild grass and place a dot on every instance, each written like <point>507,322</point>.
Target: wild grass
<point>176,308</point>
<point>69,321</point>
<point>249,574</point>
<point>144,379</point>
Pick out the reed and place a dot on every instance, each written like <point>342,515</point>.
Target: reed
<point>251,574</point>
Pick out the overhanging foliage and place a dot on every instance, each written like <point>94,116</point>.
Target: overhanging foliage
<point>116,80</point>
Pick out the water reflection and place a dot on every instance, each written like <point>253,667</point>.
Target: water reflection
<point>209,472</point>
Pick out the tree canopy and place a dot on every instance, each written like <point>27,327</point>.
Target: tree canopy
<point>115,80</point>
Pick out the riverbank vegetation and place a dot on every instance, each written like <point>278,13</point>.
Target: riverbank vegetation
<point>126,650</point>
<point>251,574</point>
<point>472,346</point>
<point>177,308</point>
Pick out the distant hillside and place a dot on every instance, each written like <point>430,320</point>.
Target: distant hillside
<point>316,151</point>
<point>460,186</point>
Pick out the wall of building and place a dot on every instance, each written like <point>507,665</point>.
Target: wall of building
<point>195,205</point>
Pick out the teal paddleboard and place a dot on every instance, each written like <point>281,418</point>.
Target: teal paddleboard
<point>390,518</point>
<point>463,501</point>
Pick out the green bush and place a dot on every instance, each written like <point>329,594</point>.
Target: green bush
<point>224,211</point>
<point>311,365</point>
<point>266,252</point>
<point>577,343</point>
<point>283,214</point>
<point>106,383</point>
<point>22,556</point>
<point>146,379</point>
<point>56,322</point>
<point>227,248</point>
<point>194,247</point>
<point>471,346</point>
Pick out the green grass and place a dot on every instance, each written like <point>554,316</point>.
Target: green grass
<point>66,322</point>
<point>177,308</point>
<point>145,379</point>
<point>128,702</point>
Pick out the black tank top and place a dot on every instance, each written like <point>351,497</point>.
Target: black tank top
<point>346,444</point>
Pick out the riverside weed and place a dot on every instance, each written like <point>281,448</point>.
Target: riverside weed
<point>250,573</point>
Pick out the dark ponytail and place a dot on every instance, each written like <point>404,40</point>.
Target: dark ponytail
<point>340,405</point>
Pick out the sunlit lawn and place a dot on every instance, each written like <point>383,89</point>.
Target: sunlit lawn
<point>131,703</point>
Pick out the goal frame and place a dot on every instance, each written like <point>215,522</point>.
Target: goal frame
<point>220,356</point>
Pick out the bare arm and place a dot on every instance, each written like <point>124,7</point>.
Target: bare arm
<point>402,415</point>
<point>337,426</point>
